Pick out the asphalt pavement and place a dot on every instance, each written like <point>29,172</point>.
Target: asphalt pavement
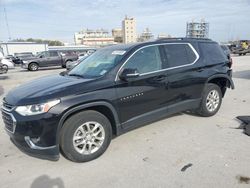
<point>179,151</point>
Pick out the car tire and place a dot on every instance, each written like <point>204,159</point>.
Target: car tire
<point>33,67</point>
<point>210,101</point>
<point>85,136</point>
<point>5,68</point>
<point>64,65</point>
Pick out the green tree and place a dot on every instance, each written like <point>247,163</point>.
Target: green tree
<point>49,42</point>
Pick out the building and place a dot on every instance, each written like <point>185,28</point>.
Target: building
<point>118,35</point>
<point>163,35</point>
<point>197,29</point>
<point>145,36</point>
<point>129,30</point>
<point>10,48</point>
<point>96,38</point>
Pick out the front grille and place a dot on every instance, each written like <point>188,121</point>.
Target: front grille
<point>7,106</point>
<point>9,121</point>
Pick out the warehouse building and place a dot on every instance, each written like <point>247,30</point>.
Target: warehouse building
<point>10,48</point>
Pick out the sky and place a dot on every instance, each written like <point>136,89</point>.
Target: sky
<point>60,19</point>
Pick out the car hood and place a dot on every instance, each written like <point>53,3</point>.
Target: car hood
<point>46,88</point>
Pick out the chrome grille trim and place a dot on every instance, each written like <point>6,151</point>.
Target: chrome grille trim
<point>13,121</point>
<point>7,107</point>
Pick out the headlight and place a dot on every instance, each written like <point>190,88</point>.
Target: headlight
<point>25,62</point>
<point>36,108</point>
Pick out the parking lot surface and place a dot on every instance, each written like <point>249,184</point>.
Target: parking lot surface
<point>179,151</point>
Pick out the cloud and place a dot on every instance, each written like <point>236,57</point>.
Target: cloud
<point>61,18</point>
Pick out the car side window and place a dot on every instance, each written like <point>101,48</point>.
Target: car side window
<point>213,53</point>
<point>53,54</point>
<point>145,60</point>
<point>179,55</point>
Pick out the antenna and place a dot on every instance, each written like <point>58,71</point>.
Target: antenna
<point>6,20</point>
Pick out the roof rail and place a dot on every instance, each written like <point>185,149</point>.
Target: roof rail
<point>183,38</point>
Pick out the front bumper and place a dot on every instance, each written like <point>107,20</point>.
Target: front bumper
<point>24,65</point>
<point>34,135</point>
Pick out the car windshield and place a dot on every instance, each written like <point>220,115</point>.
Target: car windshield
<point>98,63</point>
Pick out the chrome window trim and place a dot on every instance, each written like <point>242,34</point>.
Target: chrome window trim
<point>160,44</point>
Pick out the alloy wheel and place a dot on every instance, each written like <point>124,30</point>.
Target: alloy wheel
<point>88,138</point>
<point>212,101</point>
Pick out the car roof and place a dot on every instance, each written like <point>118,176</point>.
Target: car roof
<point>127,47</point>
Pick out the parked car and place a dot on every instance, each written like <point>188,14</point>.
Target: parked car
<point>3,68</point>
<point>8,63</point>
<point>48,59</point>
<point>14,59</point>
<point>240,51</point>
<point>116,89</point>
<point>71,65</point>
<point>87,53</point>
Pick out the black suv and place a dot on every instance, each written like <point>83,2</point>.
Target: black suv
<point>114,90</point>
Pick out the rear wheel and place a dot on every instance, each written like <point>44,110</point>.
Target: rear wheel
<point>33,67</point>
<point>85,136</point>
<point>5,68</point>
<point>211,100</point>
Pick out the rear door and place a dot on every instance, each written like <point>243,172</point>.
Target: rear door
<point>54,59</point>
<point>185,74</point>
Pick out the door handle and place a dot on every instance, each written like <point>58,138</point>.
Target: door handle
<point>200,69</point>
<point>160,78</point>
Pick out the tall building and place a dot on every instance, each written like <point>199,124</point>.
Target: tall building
<point>88,37</point>
<point>117,34</point>
<point>197,29</point>
<point>129,30</point>
<point>146,35</point>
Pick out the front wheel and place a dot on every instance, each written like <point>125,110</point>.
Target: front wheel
<point>33,67</point>
<point>211,100</point>
<point>85,136</point>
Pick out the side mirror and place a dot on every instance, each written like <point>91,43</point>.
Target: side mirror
<point>64,73</point>
<point>41,56</point>
<point>129,74</point>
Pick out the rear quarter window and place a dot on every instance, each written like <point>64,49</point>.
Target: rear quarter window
<point>212,53</point>
<point>179,55</point>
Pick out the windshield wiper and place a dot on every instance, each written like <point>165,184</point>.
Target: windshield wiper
<point>77,75</point>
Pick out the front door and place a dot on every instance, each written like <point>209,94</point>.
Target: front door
<point>145,94</point>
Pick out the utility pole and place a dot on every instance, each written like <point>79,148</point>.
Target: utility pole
<point>6,21</point>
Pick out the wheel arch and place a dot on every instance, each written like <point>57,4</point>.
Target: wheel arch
<point>33,62</point>
<point>103,107</point>
<point>223,81</point>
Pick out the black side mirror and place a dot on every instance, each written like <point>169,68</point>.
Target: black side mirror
<point>41,56</point>
<point>129,74</point>
<point>63,73</point>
